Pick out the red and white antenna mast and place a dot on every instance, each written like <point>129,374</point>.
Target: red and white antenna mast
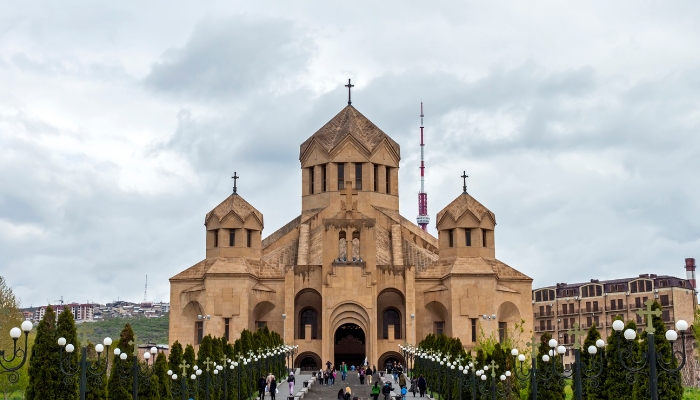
<point>423,218</point>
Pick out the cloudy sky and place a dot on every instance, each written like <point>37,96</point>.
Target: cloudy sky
<point>121,124</point>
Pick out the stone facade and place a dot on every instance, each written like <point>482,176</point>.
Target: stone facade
<point>350,269</point>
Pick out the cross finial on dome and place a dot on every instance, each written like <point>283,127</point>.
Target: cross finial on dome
<point>464,177</point>
<point>349,86</point>
<point>235,178</point>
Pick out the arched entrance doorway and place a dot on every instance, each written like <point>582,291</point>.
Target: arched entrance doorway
<point>349,345</point>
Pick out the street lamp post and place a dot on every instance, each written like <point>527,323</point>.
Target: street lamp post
<point>138,374</point>
<point>577,371</point>
<point>182,390</point>
<point>531,374</point>
<point>650,358</point>
<point>85,367</point>
<point>15,333</point>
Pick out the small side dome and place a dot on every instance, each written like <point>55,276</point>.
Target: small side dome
<point>466,229</point>
<point>234,229</point>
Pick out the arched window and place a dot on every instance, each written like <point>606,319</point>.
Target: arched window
<point>356,246</point>
<point>308,316</point>
<point>391,317</point>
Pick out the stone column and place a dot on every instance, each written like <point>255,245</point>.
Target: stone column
<point>410,274</point>
<point>290,321</point>
<point>396,243</point>
<point>303,251</point>
<point>381,178</point>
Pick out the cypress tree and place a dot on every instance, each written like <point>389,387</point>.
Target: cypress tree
<point>65,328</point>
<point>161,371</point>
<point>96,388</point>
<point>205,351</point>
<point>175,358</point>
<point>616,385</point>
<point>669,388</point>
<point>592,389</point>
<point>120,388</point>
<point>188,356</point>
<point>45,376</point>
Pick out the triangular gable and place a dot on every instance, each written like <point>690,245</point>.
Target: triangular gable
<point>262,288</point>
<point>436,288</point>
<point>313,152</point>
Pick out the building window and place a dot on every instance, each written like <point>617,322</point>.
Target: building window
<point>311,180</point>
<point>566,323</point>
<point>468,236</point>
<point>249,238</point>
<point>451,237</point>
<point>198,331</point>
<point>376,178</point>
<point>341,176</point>
<point>324,169</point>
<point>391,317</point>
<point>439,327</point>
<point>358,176</point>
<point>483,237</point>
<point>565,338</point>
<point>227,325</point>
<point>666,315</point>
<point>231,237</point>
<point>595,306</point>
<point>589,322</point>
<point>473,330</point>
<point>388,180</point>
<point>260,324</point>
<point>308,317</point>
<point>216,237</point>
<point>613,305</point>
<point>619,304</point>
<point>502,331</point>
<point>664,300</point>
<point>549,324</point>
<point>588,306</point>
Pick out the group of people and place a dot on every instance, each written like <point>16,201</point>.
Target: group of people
<point>268,385</point>
<point>328,375</point>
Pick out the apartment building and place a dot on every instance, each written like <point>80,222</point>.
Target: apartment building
<point>557,308</point>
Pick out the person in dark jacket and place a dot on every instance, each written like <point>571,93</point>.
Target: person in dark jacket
<point>341,394</point>
<point>422,384</point>
<point>273,388</point>
<point>261,387</point>
<point>386,391</point>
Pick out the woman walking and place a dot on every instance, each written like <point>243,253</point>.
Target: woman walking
<point>376,390</point>
<point>273,387</point>
<point>291,380</point>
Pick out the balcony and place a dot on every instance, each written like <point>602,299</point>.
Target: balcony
<point>544,314</point>
<point>666,304</point>
<point>592,310</point>
<point>614,309</point>
<point>539,329</point>
<point>567,312</point>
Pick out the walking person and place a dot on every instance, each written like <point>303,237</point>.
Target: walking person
<point>386,391</point>
<point>332,377</point>
<point>343,370</point>
<point>261,387</point>
<point>402,380</point>
<point>376,390</point>
<point>341,394</point>
<point>368,375</point>
<point>291,380</point>
<point>362,376</point>
<point>273,387</point>
<point>403,392</point>
<point>348,393</point>
<point>422,384</point>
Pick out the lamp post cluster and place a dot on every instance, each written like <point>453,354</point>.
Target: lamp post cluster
<point>139,374</point>
<point>461,379</point>
<point>226,375</point>
<point>20,353</point>
<point>409,354</point>
<point>87,369</point>
<point>650,358</point>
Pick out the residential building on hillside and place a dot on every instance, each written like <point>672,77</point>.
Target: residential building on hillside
<point>557,308</point>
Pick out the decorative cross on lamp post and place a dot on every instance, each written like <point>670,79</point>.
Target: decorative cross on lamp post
<point>649,314</point>
<point>531,374</point>
<point>577,334</point>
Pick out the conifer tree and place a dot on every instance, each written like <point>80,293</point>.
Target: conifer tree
<point>161,371</point>
<point>45,377</point>
<point>669,388</point>
<point>96,388</point>
<point>592,390</point>
<point>189,356</point>
<point>175,357</point>
<point>205,352</point>
<point>616,385</point>
<point>120,388</point>
<point>65,328</point>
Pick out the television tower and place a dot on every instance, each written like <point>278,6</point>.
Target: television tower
<point>423,218</point>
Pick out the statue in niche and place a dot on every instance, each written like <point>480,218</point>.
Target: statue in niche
<point>356,249</point>
<point>342,249</point>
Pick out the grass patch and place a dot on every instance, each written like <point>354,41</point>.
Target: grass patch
<point>146,330</point>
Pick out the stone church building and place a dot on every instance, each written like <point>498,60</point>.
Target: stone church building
<point>349,277</point>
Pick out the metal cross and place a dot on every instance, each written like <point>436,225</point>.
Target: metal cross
<point>649,315</point>
<point>235,178</point>
<point>464,177</point>
<point>575,332</point>
<point>494,367</point>
<point>208,363</point>
<point>184,366</point>
<point>534,345</point>
<point>349,86</point>
<point>136,349</point>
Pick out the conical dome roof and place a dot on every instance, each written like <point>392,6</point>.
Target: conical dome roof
<point>236,204</point>
<point>466,203</point>
<point>349,122</point>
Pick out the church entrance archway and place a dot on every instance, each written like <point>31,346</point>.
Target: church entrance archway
<point>349,345</point>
